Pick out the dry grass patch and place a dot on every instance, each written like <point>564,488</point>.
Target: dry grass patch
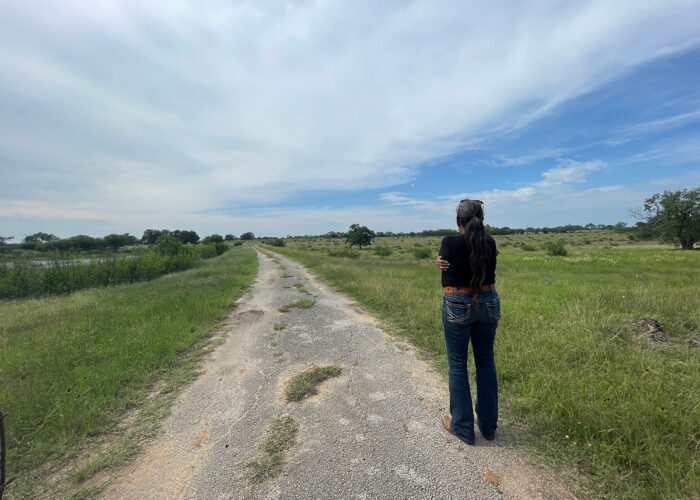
<point>280,437</point>
<point>302,304</point>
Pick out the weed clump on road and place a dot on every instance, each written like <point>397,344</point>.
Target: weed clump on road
<point>302,304</point>
<point>280,437</point>
<point>305,383</point>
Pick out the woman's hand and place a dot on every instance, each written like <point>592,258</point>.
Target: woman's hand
<point>442,264</point>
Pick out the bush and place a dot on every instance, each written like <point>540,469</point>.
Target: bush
<point>344,252</point>
<point>213,238</point>
<point>422,253</point>
<point>527,248</point>
<point>556,248</point>
<point>277,242</point>
<point>382,251</point>
<point>237,243</point>
<point>168,245</point>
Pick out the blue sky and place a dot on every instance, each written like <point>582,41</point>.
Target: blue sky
<point>304,117</point>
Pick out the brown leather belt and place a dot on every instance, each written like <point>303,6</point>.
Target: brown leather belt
<point>466,289</point>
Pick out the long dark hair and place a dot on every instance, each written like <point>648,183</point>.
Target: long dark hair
<point>470,215</point>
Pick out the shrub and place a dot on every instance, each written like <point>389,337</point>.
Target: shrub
<point>527,248</point>
<point>382,251</point>
<point>422,253</point>
<point>213,238</point>
<point>277,242</point>
<point>168,245</point>
<point>237,243</point>
<point>556,248</point>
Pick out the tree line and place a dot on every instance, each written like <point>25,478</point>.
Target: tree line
<point>49,242</point>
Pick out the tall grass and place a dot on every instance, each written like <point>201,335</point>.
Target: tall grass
<point>60,273</point>
<point>71,365</point>
<point>577,386</point>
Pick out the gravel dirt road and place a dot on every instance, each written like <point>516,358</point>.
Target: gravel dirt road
<point>372,432</point>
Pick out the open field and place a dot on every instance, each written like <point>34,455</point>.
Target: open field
<point>72,365</point>
<point>591,387</point>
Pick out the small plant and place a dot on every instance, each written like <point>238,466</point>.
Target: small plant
<point>556,248</point>
<point>305,384</point>
<point>422,253</point>
<point>527,248</point>
<point>279,326</point>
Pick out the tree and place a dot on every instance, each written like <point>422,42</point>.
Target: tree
<point>675,215</point>
<point>151,235</point>
<point>229,237</point>
<point>359,235</point>
<point>213,238</point>
<point>186,236</point>
<point>40,237</point>
<point>247,236</point>
<point>5,239</point>
<point>115,241</point>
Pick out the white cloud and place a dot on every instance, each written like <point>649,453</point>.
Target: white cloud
<point>168,109</point>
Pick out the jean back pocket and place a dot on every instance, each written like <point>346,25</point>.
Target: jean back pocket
<point>458,312</point>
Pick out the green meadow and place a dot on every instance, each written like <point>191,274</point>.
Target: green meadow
<point>598,352</point>
<point>72,365</point>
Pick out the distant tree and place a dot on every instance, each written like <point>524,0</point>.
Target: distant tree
<point>40,237</point>
<point>247,236</point>
<point>115,241</point>
<point>229,237</point>
<point>213,238</point>
<point>675,215</point>
<point>359,235</point>
<point>186,236</point>
<point>5,239</point>
<point>150,236</point>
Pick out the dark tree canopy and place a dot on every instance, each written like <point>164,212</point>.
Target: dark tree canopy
<point>213,238</point>
<point>359,235</point>
<point>5,239</point>
<point>40,237</point>
<point>675,215</point>
<point>229,237</point>
<point>119,240</point>
<point>186,236</point>
<point>247,236</point>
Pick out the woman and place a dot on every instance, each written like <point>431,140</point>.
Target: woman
<point>470,310</point>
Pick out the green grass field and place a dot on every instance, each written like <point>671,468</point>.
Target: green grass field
<point>582,383</point>
<point>72,365</point>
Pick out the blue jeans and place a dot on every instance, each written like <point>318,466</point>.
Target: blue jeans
<point>461,322</point>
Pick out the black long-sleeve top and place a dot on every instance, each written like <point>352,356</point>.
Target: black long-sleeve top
<point>454,250</point>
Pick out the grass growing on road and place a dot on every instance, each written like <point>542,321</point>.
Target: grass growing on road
<point>306,383</point>
<point>622,413</point>
<point>280,437</point>
<point>302,304</point>
<point>71,365</point>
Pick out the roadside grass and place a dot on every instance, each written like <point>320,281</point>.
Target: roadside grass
<point>281,436</point>
<point>619,416</point>
<point>279,326</point>
<point>72,365</point>
<point>306,383</point>
<point>302,304</point>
